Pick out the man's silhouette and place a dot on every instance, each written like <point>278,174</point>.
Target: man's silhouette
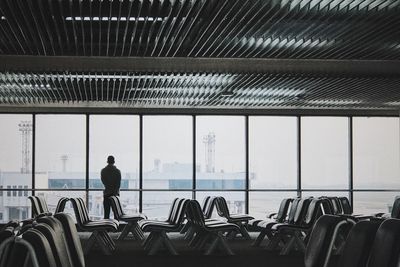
<point>111,178</point>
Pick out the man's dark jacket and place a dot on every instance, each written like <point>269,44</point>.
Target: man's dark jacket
<point>111,178</point>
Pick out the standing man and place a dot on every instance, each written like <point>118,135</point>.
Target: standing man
<point>111,178</point>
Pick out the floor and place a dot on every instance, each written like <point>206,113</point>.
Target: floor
<point>130,253</point>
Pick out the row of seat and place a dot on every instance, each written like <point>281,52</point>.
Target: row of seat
<point>47,241</point>
<point>369,243</point>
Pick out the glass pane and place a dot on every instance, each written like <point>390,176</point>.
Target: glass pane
<point>52,198</point>
<point>14,205</point>
<point>324,152</point>
<point>60,151</point>
<point>129,201</point>
<point>220,152</point>
<point>117,136</point>
<point>273,152</point>
<point>235,200</point>
<point>167,152</point>
<point>264,203</point>
<point>376,153</point>
<point>156,205</point>
<point>373,202</point>
<point>16,150</point>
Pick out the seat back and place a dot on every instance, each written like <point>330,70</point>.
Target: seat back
<point>293,209</point>
<point>42,204</point>
<point>385,251</point>
<point>358,244</point>
<point>208,206</point>
<point>180,211</point>
<point>321,240</point>
<point>61,204</point>
<point>35,206</point>
<point>328,206</point>
<point>52,229</point>
<point>301,211</point>
<point>313,212</point>
<point>337,208</point>
<point>41,246</point>
<point>283,209</point>
<point>116,207</point>
<point>396,208</point>
<point>195,214</point>
<point>73,241</point>
<point>80,210</point>
<point>222,207</point>
<point>346,207</point>
<point>172,210</point>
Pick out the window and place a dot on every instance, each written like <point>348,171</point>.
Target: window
<point>157,204</point>
<point>60,151</point>
<point>376,154</point>
<point>369,203</point>
<point>129,202</point>
<point>16,149</point>
<point>324,152</point>
<point>25,192</point>
<point>220,152</point>
<point>14,192</point>
<point>261,204</point>
<point>273,152</point>
<point>167,152</point>
<point>117,136</point>
<point>20,191</point>
<point>9,192</point>
<point>1,192</point>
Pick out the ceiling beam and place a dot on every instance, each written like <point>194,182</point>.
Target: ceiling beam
<point>381,68</point>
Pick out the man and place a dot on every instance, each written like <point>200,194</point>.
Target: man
<point>111,178</point>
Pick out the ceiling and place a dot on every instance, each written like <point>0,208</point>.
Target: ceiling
<point>201,54</point>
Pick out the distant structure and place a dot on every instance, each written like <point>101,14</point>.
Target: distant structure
<point>209,142</point>
<point>64,159</point>
<point>25,127</point>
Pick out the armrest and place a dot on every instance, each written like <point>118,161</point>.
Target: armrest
<point>271,215</point>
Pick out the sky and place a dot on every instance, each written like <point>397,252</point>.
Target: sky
<point>273,147</point>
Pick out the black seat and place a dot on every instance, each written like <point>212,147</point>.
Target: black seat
<point>99,228</point>
<point>159,229</point>
<point>52,229</point>
<point>265,225</point>
<point>240,220</point>
<point>395,214</point>
<point>61,204</point>
<point>322,240</point>
<point>131,220</point>
<point>72,238</point>
<point>39,206</point>
<point>41,246</point>
<point>211,231</point>
<point>385,251</point>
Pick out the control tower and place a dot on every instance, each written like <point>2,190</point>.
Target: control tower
<point>209,142</point>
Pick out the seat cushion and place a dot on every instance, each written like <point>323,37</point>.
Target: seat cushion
<point>132,217</point>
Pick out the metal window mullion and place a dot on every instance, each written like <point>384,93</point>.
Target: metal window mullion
<point>140,163</point>
<point>87,160</point>
<point>33,152</point>
<point>299,156</point>
<point>351,169</point>
<point>194,157</point>
<point>247,164</point>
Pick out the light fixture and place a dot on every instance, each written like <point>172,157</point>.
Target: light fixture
<point>112,18</point>
<point>3,18</point>
<point>226,93</point>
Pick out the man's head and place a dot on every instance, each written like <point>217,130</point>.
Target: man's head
<point>110,160</point>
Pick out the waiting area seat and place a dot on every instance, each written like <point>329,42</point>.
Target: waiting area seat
<point>99,228</point>
<point>40,207</point>
<point>211,232</point>
<point>131,220</point>
<point>158,229</point>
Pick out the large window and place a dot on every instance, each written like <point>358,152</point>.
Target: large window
<point>167,152</point>
<point>273,152</point>
<point>118,136</point>
<point>376,153</point>
<point>15,165</point>
<point>324,153</point>
<point>220,152</point>
<point>68,160</point>
<point>60,152</point>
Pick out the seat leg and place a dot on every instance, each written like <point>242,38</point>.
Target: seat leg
<point>125,231</point>
<point>244,232</point>
<point>300,242</point>
<point>168,244</point>
<point>138,231</point>
<point>90,242</point>
<point>259,238</point>
<point>155,245</point>
<point>213,245</point>
<point>289,246</point>
<point>147,243</point>
<point>224,245</point>
<point>274,242</point>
